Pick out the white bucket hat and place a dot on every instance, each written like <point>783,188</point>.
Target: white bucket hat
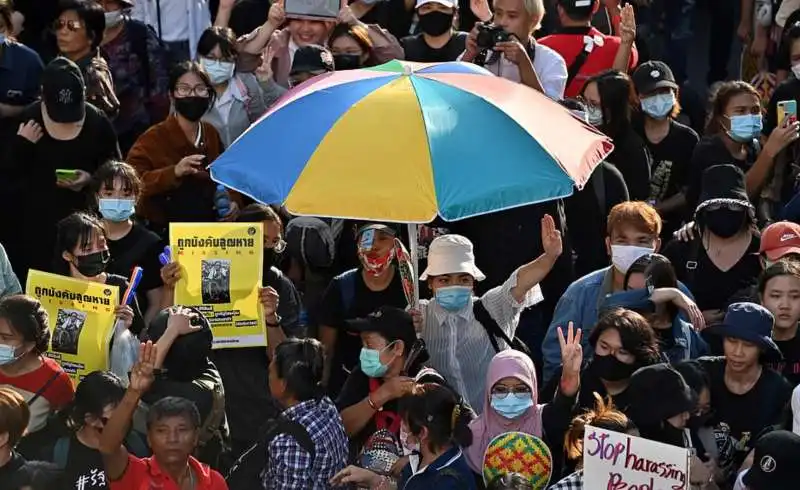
<point>451,254</point>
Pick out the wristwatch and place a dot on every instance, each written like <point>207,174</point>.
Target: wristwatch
<point>273,325</point>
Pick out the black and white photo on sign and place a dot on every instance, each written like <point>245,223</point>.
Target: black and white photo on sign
<point>313,9</point>
<point>216,281</point>
<point>66,335</point>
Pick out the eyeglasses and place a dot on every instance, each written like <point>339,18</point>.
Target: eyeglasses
<point>71,25</point>
<point>183,90</point>
<point>503,391</point>
<point>278,246</point>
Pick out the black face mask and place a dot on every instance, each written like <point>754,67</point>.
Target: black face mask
<point>192,108</point>
<point>93,264</point>
<point>672,435</point>
<point>435,23</point>
<point>346,62</point>
<point>724,223</point>
<point>610,368</point>
<point>270,257</point>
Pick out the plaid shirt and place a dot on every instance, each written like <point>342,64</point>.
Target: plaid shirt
<point>290,467</point>
<point>570,482</point>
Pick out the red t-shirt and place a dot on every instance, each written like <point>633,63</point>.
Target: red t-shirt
<point>570,41</point>
<point>144,474</point>
<point>57,394</point>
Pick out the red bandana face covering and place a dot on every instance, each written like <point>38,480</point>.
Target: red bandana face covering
<point>375,266</point>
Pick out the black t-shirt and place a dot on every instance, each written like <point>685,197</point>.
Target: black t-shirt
<point>633,160</point>
<point>711,287</point>
<point>8,472</point>
<point>392,15</point>
<point>334,314</point>
<point>586,218</point>
<point>84,467</point>
<point>355,389</point>
<point>669,174</point>
<point>712,151</point>
<point>416,49</point>
<point>139,247</point>
<point>790,366</point>
<point>138,319</point>
<point>740,419</point>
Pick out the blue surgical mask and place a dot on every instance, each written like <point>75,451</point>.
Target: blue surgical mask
<point>594,115</point>
<point>218,71</point>
<point>745,127</point>
<point>513,406</point>
<point>116,210</point>
<point>658,106</point>
<point>453,298</point>
<point>7,354</point>
<point>370,361</point>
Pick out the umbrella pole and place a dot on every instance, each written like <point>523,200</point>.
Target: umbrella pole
<point>412,245</point>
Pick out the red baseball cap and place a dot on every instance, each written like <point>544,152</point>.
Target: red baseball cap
<point>780,239</point>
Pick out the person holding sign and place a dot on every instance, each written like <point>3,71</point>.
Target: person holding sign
<point>511,402</point>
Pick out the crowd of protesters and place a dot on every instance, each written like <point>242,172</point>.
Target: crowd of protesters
<point>660,300</point>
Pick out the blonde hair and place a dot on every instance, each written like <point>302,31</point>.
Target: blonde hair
<point>14,415</point>
<point>604,415</point>
<point>535,8</point>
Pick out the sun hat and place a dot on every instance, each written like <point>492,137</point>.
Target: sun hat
<point>451,254</point>
<point>749,322</point>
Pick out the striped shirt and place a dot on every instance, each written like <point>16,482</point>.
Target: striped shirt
<point>458,344</point>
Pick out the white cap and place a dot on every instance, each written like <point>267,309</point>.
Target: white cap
<point>796,410</point>
<point>451,254</point>
<point>447,3</point>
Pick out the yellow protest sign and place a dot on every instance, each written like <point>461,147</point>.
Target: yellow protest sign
<point>81,320</point>
<point>221,273</point>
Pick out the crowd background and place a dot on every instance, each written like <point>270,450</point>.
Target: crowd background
<point>661,300</point>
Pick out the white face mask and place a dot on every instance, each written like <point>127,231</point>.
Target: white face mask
<point>623,256</point>
<point>113,19</point>
<point>796,71</point>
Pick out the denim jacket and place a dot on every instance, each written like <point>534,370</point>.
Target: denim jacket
<point>688,342</point>
<point>580,305</point>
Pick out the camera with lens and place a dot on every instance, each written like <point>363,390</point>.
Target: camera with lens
<point>489,35</point>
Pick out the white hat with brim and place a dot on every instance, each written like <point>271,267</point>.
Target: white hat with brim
<point>446,3</point>
<point>451,254</point>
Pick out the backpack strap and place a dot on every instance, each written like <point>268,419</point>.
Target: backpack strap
<point>136,444</point>
<point>347,290</point>
<point>493,330</point>
<point>44,387</point>
<point>299,433</point>
<point>210,427</point>
<point>579,61</point>
<point>61,452</point>
<point>691,260</point>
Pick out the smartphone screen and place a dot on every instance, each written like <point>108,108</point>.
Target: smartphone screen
<point>787,111</point>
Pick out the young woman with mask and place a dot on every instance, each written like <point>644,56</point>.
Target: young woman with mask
<point>295,381</point>
<point>138,64</point>
<point>608,96</point>
<point>511,403</point>
<point>355,294</point>
<point>731,135</point>
<point>670,143</point>
<point>437,40</point>
<point>117,190</point>
<point>172,157</point>
<point>433,417</point>
<point>603,415</point>
<point>83,254</point>
<point>720,264</point>
<point>351,47</point>
<point>24,338</point>
<point>77,453</point>
<point>239,100</point>
<point>14,417</point>
<point>370,396</point>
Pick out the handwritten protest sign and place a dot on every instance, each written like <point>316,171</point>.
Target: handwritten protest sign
<point>617,461</point>
<point>313,9</point>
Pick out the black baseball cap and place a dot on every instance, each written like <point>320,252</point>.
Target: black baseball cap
<point>312,58</point>
<point>579,9</point>
<point>775,462</point>
<point>63,91</point>
<point>392,323</point>
<point>377,227</point>
<point>653,75</point>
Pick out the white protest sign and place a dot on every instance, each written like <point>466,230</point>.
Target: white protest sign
<point>313,9</point>
<point>617,461</point>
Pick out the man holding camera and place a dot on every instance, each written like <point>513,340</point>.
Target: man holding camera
<point>507,48</point>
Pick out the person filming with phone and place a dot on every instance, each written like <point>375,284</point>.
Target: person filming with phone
<point>507,48</point>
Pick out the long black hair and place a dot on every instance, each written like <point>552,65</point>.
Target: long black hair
<point>440,410</point>
<point>616,94</point>
<point>76,230</point>
<point>96,391</point>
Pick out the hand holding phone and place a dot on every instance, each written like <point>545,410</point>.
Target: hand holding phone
<point>787,112</point>
<point>66,174</point>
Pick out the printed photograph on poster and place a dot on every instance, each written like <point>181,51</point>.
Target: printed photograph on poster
<point>216,285</point>
<point>313,9</point>
<point>69,324</point>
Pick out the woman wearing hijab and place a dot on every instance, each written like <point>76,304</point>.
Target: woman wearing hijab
<point>511,403</point>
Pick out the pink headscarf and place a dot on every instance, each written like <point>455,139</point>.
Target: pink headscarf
<point>506,364</point>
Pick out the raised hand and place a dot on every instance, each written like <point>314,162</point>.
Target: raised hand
<point>31,131</point>
<point>142,374</point>
<point>180,321</point>
<point>627,24</point>
<point>571,358</point>
<point>269,299</point>
<point>551,237</point>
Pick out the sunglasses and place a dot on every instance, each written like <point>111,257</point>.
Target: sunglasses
<point>71,25</point>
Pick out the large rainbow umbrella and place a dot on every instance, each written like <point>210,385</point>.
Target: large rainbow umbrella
<point>406,141</point>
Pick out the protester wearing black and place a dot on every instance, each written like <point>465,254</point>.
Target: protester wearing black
<point>438,40</point>
<point>775,462</point>
<point>14,417</point>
